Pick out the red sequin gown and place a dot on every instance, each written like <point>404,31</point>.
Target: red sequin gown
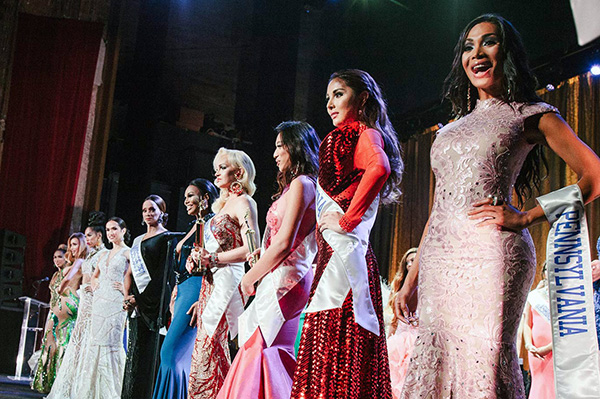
<point>337,357</point>
<point>211,359</point>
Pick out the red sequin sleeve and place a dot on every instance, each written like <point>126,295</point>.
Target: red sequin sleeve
<point>370,157</point>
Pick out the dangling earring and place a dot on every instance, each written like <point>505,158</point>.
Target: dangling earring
<point>468,98</point>
<point>236,187</point>
<point>508,92</point>
<point>160,219</point>
<point>143,223</point>
<point>294,172</point>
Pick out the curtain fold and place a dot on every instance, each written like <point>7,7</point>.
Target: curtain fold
<point>51,86</point>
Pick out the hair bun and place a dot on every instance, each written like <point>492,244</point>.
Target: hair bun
<point>165,218</point>
<point>97,218</point>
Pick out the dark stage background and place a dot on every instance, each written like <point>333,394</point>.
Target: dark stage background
<point>182,78</point>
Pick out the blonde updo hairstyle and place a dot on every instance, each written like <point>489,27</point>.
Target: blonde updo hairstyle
<point>239,160</point>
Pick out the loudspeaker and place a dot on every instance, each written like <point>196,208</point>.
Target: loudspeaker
<point>11,275</point>
<point>12,258</point>
<point>11,291</point>
<point>10,239</point>
<point>9,257</point>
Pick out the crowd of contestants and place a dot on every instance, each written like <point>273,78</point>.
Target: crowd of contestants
<point>304,311</point>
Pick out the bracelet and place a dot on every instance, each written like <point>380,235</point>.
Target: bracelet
<point>213,259</point>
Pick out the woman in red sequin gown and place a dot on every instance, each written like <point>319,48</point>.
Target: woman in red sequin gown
<point>343,350</point>
<point>221,302</point>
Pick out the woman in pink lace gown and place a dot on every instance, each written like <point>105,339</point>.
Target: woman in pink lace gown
<point>537,336</point>
<point>265,364</point>
<point>476,258</point>
<point>402,336</point>
<point>222,261</point>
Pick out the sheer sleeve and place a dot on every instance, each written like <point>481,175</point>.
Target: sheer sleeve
<point>371,158</point>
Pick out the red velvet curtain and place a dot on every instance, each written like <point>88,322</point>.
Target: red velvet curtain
<point>51,87</point>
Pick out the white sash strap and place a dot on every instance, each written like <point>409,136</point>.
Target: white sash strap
<point>265,311</point>
<point>539,300</point>
<point>225,298</point>
<point>138,266</point>
<point>575,345</point>
<point>347,268</point>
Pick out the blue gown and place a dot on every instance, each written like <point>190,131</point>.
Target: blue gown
<point>177,348</point>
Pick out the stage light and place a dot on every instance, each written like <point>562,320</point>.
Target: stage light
<point>550,87</point>
<point>595,69</point>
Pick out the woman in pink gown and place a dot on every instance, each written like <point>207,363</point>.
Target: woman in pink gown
<point>537,335</point>
<point>222,260</point>
<point>401,339</point>
<point>476,258</point>
<point>265,364</point>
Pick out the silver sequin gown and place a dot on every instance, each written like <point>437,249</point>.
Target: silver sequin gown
<point>473,281</point>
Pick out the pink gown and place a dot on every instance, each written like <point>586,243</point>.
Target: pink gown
<point>264,369</point>
<point>473,281</point>
<point>400,347</point>
<point>542,371</point>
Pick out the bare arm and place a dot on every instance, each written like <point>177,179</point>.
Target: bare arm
<point>405,302</point>
<point>74,272</point>
<point>553,131</point>
<point>301,194</point>
<point>239,209</point>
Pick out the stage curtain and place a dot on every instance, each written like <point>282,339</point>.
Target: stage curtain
<point>410,215</point>
<point>51,86</point>
<point>578,100</point>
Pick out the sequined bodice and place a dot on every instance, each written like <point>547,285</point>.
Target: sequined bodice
<point>112,270</point>
<point>337,174</point>
<point>227,231</point>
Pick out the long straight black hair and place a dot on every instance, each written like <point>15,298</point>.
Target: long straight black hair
<point>519,84</point>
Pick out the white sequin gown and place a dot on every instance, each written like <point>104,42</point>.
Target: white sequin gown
<point>104,363</point>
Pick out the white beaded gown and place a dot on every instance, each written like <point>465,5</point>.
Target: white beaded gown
<point>473,281</point>
<point>69,377</point>
<point>103,367</point>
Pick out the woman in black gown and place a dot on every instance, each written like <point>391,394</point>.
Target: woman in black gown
<point>148,264</point>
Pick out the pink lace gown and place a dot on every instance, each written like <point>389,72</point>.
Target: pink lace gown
<point>263,370</point>
<point>473,281</point>
<point>211,359</point>
<point>542,370</point>
<point>400,347</point>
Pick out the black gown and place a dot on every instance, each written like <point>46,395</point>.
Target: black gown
<point>143,345</point>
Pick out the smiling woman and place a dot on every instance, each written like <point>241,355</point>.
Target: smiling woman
<point>471,303</point>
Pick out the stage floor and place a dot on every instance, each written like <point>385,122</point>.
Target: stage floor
<point>10,389</point>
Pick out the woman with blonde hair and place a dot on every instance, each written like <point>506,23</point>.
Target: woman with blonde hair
<point>222,263</point>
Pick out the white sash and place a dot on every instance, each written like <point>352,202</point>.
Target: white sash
<point>540,301</point>
<point>574,341</point>
<point>138,266</point>
<point>264,311</point>
<point>347,268</point>
<point>226,298</point>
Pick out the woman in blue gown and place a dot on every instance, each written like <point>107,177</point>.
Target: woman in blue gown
<point>177,348</point>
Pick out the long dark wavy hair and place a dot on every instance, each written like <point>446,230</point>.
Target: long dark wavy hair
<point>374,115</point>
<point>519,84</point>
<point>302,143</point>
